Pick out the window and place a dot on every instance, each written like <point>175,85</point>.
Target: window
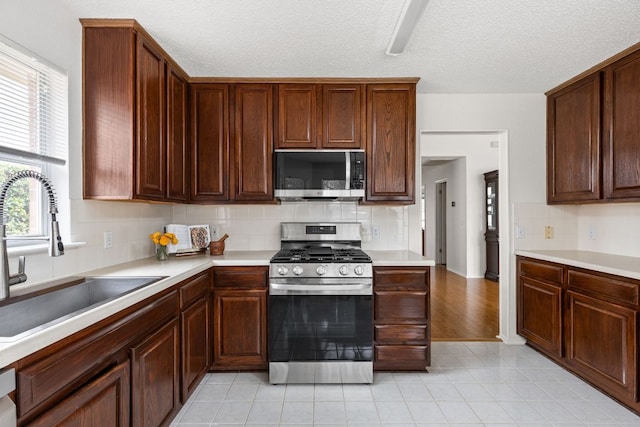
<point>33,133</point>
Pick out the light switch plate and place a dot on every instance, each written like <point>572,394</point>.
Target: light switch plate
<point>548,232</point>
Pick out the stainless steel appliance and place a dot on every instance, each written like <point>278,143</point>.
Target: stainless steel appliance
<point>320,306</point>
<point>319,174</point>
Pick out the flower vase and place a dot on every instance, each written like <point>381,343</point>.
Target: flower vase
<point>162,253</point>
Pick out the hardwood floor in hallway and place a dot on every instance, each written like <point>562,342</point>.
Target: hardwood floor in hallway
<point>463,309</point>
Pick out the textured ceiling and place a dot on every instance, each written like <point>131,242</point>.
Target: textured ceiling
<point>460,46</point>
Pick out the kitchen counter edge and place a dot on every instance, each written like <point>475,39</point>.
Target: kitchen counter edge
<point>619,265</point>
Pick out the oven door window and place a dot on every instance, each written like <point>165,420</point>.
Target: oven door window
<point>320,328</point>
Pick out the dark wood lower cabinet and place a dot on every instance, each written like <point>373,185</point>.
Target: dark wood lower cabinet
<point>239,320</point>
<point>240,336</point>
<point>103,402</point>
<point>402,337</point>
<point>540,314</point>
<point>155,378</point>
<point>130,369</point>
<point>195,345</point>
<point>601,344</point>
<point>586,321</point>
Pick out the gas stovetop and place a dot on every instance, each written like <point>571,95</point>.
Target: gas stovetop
<point>320,250</point>
<point>321,254</point>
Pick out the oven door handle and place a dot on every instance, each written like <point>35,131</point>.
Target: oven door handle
<point>298,289</point>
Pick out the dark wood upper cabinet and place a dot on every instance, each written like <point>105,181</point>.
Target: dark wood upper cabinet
<point>343,116</point>
<point>621,138</point>
<point>127,126</point>
<point>253,142</point>
<point>210,146</point>
<point>298,116</point>
<point>330,116</point>
<point>593,129</point>
<point>150,152</point>
<point>391,115</point>
<point>573,142</point>
<point>177,142</point>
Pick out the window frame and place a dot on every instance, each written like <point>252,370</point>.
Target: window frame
<point>48,95</point>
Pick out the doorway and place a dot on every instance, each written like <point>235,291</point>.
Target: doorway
<point>463,231</point>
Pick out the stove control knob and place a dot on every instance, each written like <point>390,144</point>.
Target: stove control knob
<point>343,270</point>
<point>297,270</point>
<point>321,270</point>
<point>359,270</point>
<point>283,270</point>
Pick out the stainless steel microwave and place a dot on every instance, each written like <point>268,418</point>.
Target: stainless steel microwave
<point>319,174</point>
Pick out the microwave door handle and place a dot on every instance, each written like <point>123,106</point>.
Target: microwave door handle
<point>347,184</point>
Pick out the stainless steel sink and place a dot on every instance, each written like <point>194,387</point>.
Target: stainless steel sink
<point>24,315</point>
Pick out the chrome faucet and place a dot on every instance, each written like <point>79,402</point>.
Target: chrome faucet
<point>56,248</point>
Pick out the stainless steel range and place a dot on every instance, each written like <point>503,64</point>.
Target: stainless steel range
<point>320,306</point>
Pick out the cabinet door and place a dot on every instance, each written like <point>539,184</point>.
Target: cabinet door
<point>540,315</point>
<point>297,116</point>
<point>177,145</point>
<point>108,91</point>
<point>391,149</point>
<point>240,323</point>
<point>253,140</point>
<point>102,402</point>
<point>196,341</point>
<point>343,116</point>
<point>601,344</point>
<point>150,107</point>
<point>155,377</point>
<point>573,142</point>
<point>622,129</point>
<point>210,166</point>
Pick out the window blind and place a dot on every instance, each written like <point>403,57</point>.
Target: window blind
<point>33,106</point>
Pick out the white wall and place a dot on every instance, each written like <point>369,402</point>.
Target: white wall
<point>480,157</point>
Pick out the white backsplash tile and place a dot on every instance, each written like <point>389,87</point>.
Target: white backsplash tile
<point>616,226</point>
<point>257,227</point>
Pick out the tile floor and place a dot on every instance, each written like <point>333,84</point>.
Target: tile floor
<point>469,384</point>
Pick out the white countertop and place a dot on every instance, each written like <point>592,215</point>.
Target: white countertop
<point>398,258</point>
<point>619,265</point>
<point>175,270</point>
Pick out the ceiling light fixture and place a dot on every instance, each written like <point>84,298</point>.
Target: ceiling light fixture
<point>411,13</point>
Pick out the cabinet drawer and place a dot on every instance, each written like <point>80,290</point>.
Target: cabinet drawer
<point>401,277</point>
<point>606,287</point>
<point>240,277</point>
<point>401,306</point>
<point>194,289</point>
<point>399,334</point>
<point>401,352</point>
<point>540,270</point>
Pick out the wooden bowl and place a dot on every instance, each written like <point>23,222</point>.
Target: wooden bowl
<point>216,248</point>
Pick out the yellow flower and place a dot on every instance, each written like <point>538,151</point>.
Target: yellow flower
<point>163,239</point>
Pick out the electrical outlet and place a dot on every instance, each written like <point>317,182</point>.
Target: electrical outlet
<point>519,232</point>
<point>108,240</point>
<point>591,233</point>
<point>375,232</point>
<point>548,232</point>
